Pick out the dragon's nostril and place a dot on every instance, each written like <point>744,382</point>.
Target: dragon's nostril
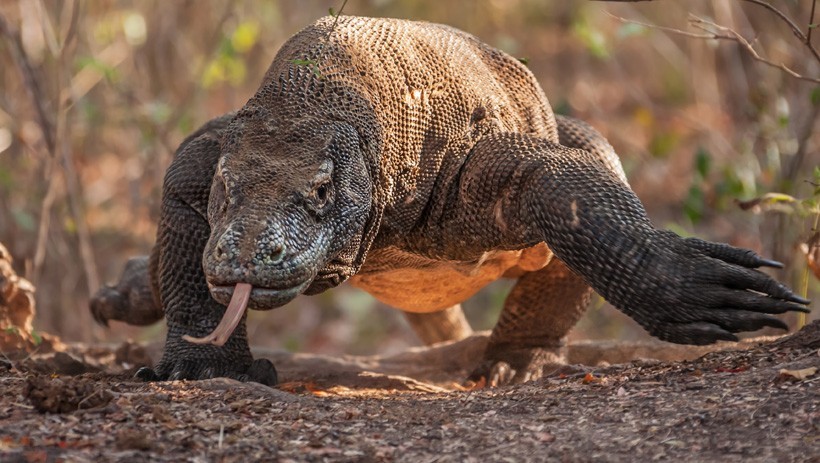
<point>220,251</point>
<point>277,252</point>
<point>227,245</point>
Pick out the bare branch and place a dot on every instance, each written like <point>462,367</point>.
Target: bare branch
<point>336,19</point>
<point>12,37</point>
<point>726,33</point>
<point>794,27</point>
<point>60,154</point>
<point>655,26</point>
<point>719,33</point>
<point>32,86</point>
<point>805,39</point>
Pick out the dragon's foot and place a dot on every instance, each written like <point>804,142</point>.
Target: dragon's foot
<point>131,300</point>
<point>192,354</point>
<point>506,364</point>
<point>259,371</point>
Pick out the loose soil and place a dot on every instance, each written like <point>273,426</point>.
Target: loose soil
<point>758,404</point>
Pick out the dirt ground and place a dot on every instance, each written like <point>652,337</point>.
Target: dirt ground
<point>759,404</point>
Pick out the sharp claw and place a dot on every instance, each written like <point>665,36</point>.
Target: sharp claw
<point>146,374</point>
<point>262,371</point>
<point>500,374</point>
<point>770,263</point>
<point>800,300</point>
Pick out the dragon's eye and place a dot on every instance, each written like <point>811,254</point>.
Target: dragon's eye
<point>321,193</point>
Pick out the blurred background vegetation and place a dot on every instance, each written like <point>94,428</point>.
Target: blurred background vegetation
<point>113,86</point>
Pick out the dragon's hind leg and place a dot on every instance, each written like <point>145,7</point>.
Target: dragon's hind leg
<point>131,300</point>
<point>446,325</point>
<point>527,341</point>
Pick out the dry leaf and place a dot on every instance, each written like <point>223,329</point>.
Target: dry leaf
<point>589,378</point>
<point>799,375</point>
<point>811,249</point>
<point>474,385</point>
<point>315,390</point>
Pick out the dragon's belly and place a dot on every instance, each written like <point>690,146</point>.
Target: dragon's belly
<point>417,284</point>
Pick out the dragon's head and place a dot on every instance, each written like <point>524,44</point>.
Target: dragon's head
<point>288,208</point>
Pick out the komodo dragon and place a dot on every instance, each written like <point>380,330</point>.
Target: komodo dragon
<point>420,164</point>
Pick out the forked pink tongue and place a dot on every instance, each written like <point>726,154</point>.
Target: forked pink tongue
<point>233,315</point>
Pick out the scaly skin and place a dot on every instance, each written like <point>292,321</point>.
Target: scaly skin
<point>426,164</point>
<point>131,300</point>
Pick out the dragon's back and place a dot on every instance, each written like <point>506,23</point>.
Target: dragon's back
<point>419,94</point>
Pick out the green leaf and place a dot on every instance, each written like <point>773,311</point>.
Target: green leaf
<point>694,204</point>
<point>662,143</point>
<point>703,162</point>
<point>772,198</point>
<point>810,205</point>
<point>6,179</point>
<point>776,202</point>
<point>225,48</point>
<point>815,96</point>
<point>310,64</point>
<point>729,186</point>
<point>524,60</point>
<point>37,338</point>
<point>110,73</point>
<point>592,38</point>
<point>331,11</point>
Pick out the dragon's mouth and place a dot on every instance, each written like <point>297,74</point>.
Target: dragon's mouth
<point>238,299</point>
<point>324,281</point>
<point>260,298</point>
